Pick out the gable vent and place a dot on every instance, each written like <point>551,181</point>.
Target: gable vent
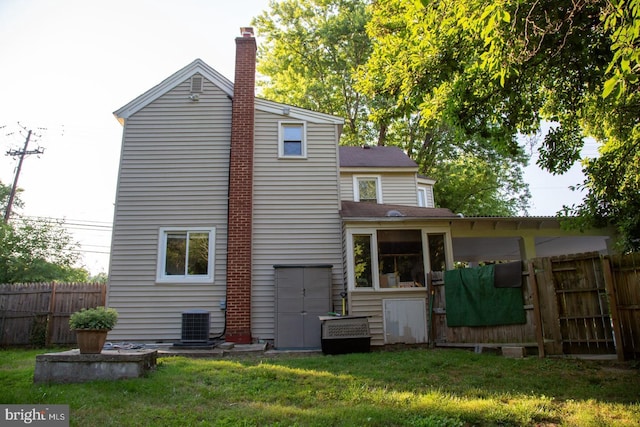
<point>196,84</point>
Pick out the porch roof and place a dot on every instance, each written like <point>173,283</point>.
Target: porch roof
<point>362,210</point>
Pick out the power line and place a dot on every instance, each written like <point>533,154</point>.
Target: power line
<point>78,224</point>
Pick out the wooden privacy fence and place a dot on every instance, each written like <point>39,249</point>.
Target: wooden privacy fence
<point>37,314</point>
<point>574,304</point>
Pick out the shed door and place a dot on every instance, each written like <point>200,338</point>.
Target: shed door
<point>302,294</point>
<point>405,321</point>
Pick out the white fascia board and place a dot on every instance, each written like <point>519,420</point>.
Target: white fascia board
<point>426,181</point>
<point>197,66</point>
<point>296,112</point>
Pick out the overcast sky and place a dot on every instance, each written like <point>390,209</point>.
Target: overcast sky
<point>68,64</point>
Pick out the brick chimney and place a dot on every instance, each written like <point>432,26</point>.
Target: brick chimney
<point>238,328</point>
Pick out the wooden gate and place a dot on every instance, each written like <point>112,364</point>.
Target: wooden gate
<point>581,301</point>
<point>622,273</point>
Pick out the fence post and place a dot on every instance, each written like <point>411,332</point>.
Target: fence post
<point>537,316</point>
<point>551,312</point>
<point>103,295</point>
<point>613,307</point>
<point>51,315</point>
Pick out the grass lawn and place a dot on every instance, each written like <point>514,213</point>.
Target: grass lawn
<point>411,387</point>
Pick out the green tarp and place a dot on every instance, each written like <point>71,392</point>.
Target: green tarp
<point>473,300</point>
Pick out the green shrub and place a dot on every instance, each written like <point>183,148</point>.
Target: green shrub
<point>94,318</point>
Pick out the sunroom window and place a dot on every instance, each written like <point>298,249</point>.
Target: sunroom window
<point>362,261</point>
<point>386,259</point>
<point>400,258</point>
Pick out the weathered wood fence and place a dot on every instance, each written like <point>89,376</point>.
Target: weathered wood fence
<point>574,304</point>
<point>37,314</point>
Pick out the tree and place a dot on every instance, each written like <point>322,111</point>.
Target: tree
<point>487,71</point>
<point>33,250</point>
<point>314,55</point>
<point>310,54</point>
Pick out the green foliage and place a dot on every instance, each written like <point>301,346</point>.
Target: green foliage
<point>490,187</point>
<point>94,318</point>
<point>36,250</point>
<point>560,149</point>
<point>309,54</point>
<point>99,278</point>
<point>622,19</point>
<point>486,71</point>
<point>5,193</point>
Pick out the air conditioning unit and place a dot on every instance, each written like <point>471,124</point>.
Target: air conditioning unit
<point>195,326</point>
<point>348,334</point>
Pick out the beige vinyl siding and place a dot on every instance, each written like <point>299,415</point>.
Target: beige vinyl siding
<point>369,303</point>
<point>397,188</point>
<point>295,213</point>
<point>173,173</point>
<point>346,186</point>
<point>400,189</point>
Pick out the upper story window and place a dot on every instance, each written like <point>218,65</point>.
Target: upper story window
<point>186,255</point>
<point>367,189</point>
<point>425,197</point>
<point>292,140</point>
<point>425,192</point>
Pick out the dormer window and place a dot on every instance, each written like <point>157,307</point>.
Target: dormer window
<point>367,189</point>
<point>425,197</point>
<point>292,140</point>
<point>425,192</point>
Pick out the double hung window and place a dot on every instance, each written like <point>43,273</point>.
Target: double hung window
<point>367,189</point>
<point>292,140</point>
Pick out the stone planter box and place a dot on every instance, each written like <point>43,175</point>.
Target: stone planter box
<point>74,367</point>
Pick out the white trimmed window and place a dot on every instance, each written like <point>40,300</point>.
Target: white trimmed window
<point>425,196</point>
<point>292,140</point>
<point>425,192</point>
<point>186,255</point>
<point>367,189</point>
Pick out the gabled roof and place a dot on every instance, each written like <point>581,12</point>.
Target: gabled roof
<point>296,112</point>
<point>196,67</point>
<point>374,157</point>
<point>200,67</point>
<point>369,210</point>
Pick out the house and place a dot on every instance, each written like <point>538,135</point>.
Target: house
<point>250,211</point>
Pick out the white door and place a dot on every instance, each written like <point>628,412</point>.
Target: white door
<point>405,321</point>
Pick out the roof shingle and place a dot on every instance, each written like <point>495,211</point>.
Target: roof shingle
<point>375,156</point>
<point>377,210</point>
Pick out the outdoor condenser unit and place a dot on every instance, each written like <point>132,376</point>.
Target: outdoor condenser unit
<point>348,334</point>
<point>195,326</point>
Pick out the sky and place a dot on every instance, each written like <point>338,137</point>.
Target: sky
<point>66,65</point>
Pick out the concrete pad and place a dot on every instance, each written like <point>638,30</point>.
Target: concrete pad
<point>514,352</point>
<point>73,367</point>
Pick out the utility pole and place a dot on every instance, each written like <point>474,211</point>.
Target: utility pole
<point>21,153</point>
